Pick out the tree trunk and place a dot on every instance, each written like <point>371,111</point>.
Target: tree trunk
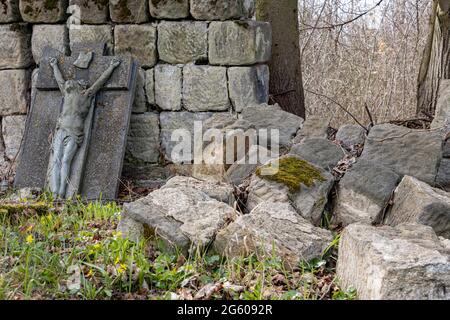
<point>286,86</point>
<point>435,64</point>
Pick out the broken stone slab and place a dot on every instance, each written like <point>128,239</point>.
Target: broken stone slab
<point>128,11</point>
<point>314,127</point>
<point>143,143</point>
<point>49,35</point>
<point>137,41</point>
<point>273,228</point>
<point>140,99</point>
<point>9,11</point>
<point>15,41</point>
<point>442,114</point>
<point>219,9</point>
<point>248,86</point>
<point>219,191</point>
<point>409,152</point>
<point>351,135</point>
<point>181,42</point>
<point>408,262</point>
<point>43,11</point>
<point>205,88</point>
<point>239,42</point>
<point>168,86</point>
<point>169,9</point>
<point>270,117</point>
<point>417,202</point>
<point>319,151</point>
<point>90,11</point>
<point>364,193</point>
<point>443,177</point>
<point>182,217</point>
<point>298,182</point>
<point>150,86</point>
<point>13,128</point>
<point>92,34</point>
<point>14,92</point>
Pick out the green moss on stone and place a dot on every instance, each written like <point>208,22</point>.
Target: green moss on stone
<point>14,208</point>
<point>123,11</point>
<point>293,172</point>
<point>51,4</point>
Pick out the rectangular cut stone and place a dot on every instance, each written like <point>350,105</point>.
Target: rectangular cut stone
<point>417,202</point>
<point>91,11</point>
<point>137,41</point>
<point>248,86</point>
<point>103,153</point>
<point>143,140</point>
<point>13,92</point>
<point>51,35</point>
<point>415,153</point>
<point>205,88</point>
<point>219,9</point>
<point>150,86</point>
<point>239,42</point>
<point>13,128</point>
<point>140,100</point>
<point>128,11</point>
<point>43,11</point>
<point>9,11</point>
<point>169,9</point>
<point>168,87</point>
<point>408,262</point>
<point>92,34</point>
<point>182,41</point>
<point>15,40</point>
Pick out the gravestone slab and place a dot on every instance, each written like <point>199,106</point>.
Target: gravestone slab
<point>97,166</point>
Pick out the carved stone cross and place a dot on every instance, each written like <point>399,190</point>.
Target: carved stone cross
<point>97,165</point>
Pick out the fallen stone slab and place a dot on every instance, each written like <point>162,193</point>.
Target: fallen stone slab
<point>314,127</point>
<point>298,182</point>
<point>351,135</point>
<point>408,262</point>
<point>364,193</point>
<point>319,151</point>
<point>415,153</point>
<point>417,202</point>
<point>182,217</point>
<point>273,228</point>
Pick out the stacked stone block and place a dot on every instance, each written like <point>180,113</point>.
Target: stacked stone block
<point>195,56</point>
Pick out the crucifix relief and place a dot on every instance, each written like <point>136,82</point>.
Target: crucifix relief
<point>76,130</point>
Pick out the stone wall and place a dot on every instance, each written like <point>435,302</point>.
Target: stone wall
<point>198,59</point>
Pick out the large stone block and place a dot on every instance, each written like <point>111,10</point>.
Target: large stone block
<point>91,11</point>
<point>169,9</point>
<point>408,262</point>
<point>54,36</point>
<point>239,42</point>
<point>93,33</point>
<point>205,88</point>
<point>182,41</point>
<point>219,9</point>
<point>15,44</point>
<point>150,86</point>
<point>364,193</point>
<point>314,127</point>
<point>409,152</point>
<point>140,97</point>
<point>417,202</point>
<point>43,11</point>
<point>321,152</point>
<point>13,128</point>
<point>168,83</point>
<point>9,11</point>
<point>143,139</point>
<point>443,178</point>
<point>248,86</point>
<point>13,92</point>
<point>137,41</point>
<point>273,229</point>
<point>129,11</point>
<point>351,135</point>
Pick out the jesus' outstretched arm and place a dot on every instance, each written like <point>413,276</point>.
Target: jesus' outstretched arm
<point>58,75</point>
<point>92,91</point>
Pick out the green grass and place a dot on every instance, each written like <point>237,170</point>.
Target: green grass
<point>72,251</point>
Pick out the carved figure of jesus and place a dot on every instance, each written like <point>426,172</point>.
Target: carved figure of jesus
<point>69,135</point>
